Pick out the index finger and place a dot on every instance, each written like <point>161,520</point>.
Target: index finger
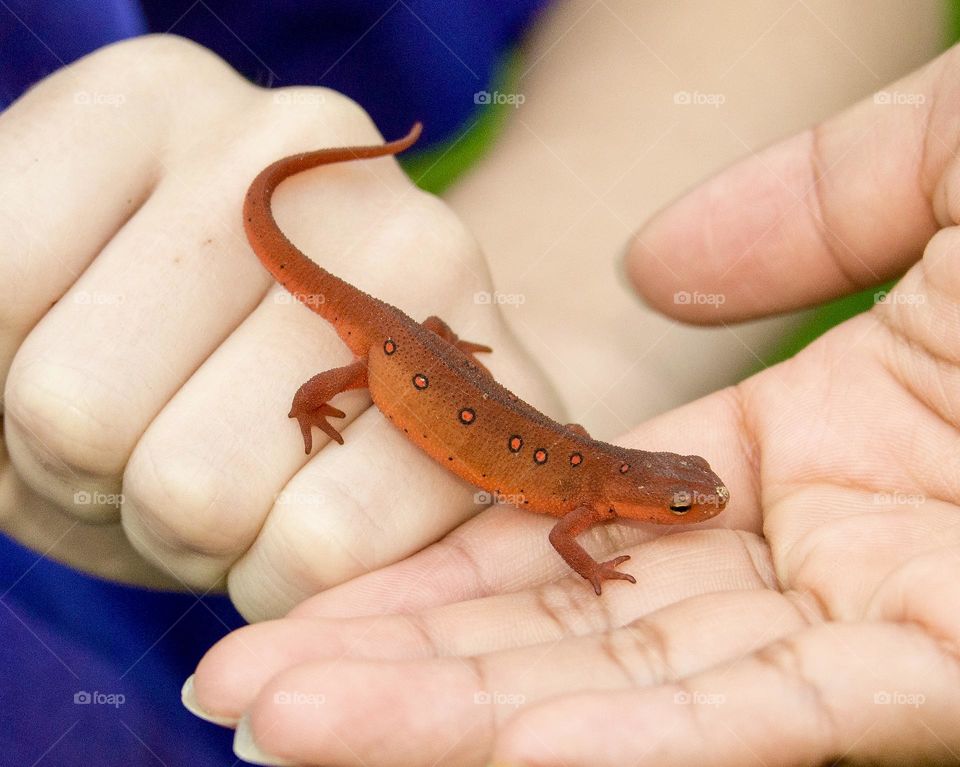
<point>848,203</point>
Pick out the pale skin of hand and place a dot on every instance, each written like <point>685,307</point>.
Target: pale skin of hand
<point>821,623</point>
<point>144,350</point>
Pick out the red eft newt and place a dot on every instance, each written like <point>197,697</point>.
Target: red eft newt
<point>428,383</point>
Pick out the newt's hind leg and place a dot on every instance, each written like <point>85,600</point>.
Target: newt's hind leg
<point>310,403</point>
<point>442,329</point>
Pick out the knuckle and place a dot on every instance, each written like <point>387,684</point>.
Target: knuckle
<point>443,224</point>
<point>322,535</point>
<point>306,117</point>
<point>442,238</point>
<point>183,502</point>
<point>126,74</point>
<point>342,115</point>
<point>168,53</point>
<point>64,417</point>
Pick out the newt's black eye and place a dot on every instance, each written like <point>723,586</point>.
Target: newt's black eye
<point>682,503</point>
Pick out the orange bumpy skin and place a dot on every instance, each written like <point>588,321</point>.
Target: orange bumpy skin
<point>428,384</point>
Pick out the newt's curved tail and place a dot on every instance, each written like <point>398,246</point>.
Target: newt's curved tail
<point>318,289</point>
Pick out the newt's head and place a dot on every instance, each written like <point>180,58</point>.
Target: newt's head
<point>665,488</point>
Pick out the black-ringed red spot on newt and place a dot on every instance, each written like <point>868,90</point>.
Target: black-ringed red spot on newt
<point>624,468</point>
<point>576,459</point>
<point>540,455</point>
<point>467,416</point>
<point>515,443</point>
<point>420,381</point>
<point>389,346</point>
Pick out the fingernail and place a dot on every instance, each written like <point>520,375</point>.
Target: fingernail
<point>188,696</point>
<point>246,749</point>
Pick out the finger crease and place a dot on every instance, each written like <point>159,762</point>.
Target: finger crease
<point>809,605</point>
<point>939,361</point>
<point>608,647</point>
<point>479,672</point>
<point>549,612</point>
<point>944,644</point>
<point>580,613</point>
<point>652,644</point>
<point>764,571</point>
<point>459,547</point>
<point>747,437</point>
<point>784,658</point>
<point>418,624</point>
<point>823,229</point>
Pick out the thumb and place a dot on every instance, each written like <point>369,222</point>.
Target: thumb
<point>848,203</point>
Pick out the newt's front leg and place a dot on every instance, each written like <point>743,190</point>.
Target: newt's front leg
<point>442,329</point>
<point>563,537</point>
<point>310,403</point>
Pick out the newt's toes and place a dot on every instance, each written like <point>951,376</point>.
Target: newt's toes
<point>607,571</point>
<point>317,417</point>
<point>329,410</point>
<point>330,430</point>
<point>471,348</point>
